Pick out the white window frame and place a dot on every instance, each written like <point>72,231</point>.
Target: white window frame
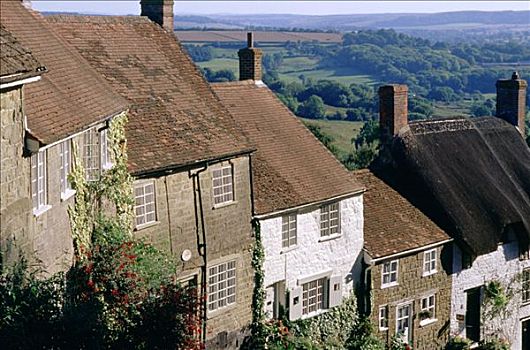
<point>223,185</point>
<point>105,154</point>
<point>222,285</point>
<point>289,231</point>
<point>65,167</point>
<point>525,285</point>
<point>383,318</point>
<point>430,262</point>
<point>39,191</point>
<point>428,303</point>
<point>409,317</point>
<point>329,225</point>
<point>313,304</point>
<point>390,273</point>
<point>140,203</point>
<point>91,154</point>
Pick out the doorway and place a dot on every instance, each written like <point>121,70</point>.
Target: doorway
<point>526,334</point>
<point>473,314</point>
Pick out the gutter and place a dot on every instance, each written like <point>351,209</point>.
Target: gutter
<point>19,82</point>
<point>104,120</point>
<point>163,171</point>
<point>310,204</point>
<point>369,260</point>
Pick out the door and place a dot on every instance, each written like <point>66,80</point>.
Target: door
<point>473,314</point>
<point>404,322</point>
<point>526,335</point>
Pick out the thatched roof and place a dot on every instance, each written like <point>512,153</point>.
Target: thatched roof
<point>476,174</point>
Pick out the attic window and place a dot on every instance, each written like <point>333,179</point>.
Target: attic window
<point>223,188</point>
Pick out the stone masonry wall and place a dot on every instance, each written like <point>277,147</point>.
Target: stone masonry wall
<point>228,232</point>
<point>412,286</point>
<point>15,199</point>
<point>45,238</point>
<point>314,255</point>
<point>502,265</point>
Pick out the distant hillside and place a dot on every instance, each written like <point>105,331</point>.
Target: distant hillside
<point>259,36</point>
<point>446,26</point>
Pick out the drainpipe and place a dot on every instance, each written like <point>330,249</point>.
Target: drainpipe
<point>199,218</point>
<point>367,272</point>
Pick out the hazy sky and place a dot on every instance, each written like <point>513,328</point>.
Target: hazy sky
<point>296,7</point>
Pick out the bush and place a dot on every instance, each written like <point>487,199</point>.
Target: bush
<point>120,294</point>
<point>458,343</point>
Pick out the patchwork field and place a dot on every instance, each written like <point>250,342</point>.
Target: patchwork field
<point>341,131</point>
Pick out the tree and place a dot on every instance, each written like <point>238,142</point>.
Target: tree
<point>312,108</point>
<point>322,137</point>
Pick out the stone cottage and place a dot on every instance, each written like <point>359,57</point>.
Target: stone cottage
<point>307,206</point>
<point>42,123</point>
<point>189,158</point>
<point>474,177</point>
<point>407,280</point>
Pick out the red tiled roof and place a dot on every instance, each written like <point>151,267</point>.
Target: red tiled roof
<point>16,62</point>
<point>291,167</point>
<point>392,224</point>
<point>71,96</point>
<point>175,119</point>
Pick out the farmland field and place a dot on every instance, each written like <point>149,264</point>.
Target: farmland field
<point>341,131</point>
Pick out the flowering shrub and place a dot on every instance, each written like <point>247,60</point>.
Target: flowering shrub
<point>122,294</point>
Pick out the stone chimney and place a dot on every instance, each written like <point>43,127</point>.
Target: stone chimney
<point>511,101</point>
<point>393,114</point>
<point>250,61</point>
<point>159,11</point>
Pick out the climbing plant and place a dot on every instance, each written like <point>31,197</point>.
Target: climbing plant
<point>114,186</point>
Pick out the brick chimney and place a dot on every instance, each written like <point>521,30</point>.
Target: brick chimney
<point>159,11</point>
<point>393,114</point>
<point>250,61</point>
<point>511,101</point>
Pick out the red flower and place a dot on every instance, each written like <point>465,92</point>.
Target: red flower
<point>115,292</point>
<point>90,283</point>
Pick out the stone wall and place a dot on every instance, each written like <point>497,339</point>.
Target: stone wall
<point>412,286</point>
<point>314,254</point>
<point>44,238</point>
<point>228,236</point>
<point>502,265</point>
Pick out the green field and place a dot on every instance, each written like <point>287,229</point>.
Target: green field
<point>444,110</point>
<point>341,131</point>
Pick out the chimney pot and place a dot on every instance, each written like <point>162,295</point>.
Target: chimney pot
<point>250,39</point>
<point>393,114</point>
<point>511,101</point>
<point>159,11</point>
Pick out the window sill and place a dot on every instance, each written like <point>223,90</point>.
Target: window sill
<point>427,322</point>
<point>107,166</point>
<point>38,212</point>
<point>383,329</point>
<point>330,237</point>
<point>67,194</point>
<point>225,204</point>
<point>314,313</point>
<point>287,250</point>
<point>389,285</point>
<point>430,273</point>
<point>220,311</point>
<point>146,225</point>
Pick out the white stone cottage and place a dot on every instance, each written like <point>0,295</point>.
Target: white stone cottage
<point>308,206</point>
